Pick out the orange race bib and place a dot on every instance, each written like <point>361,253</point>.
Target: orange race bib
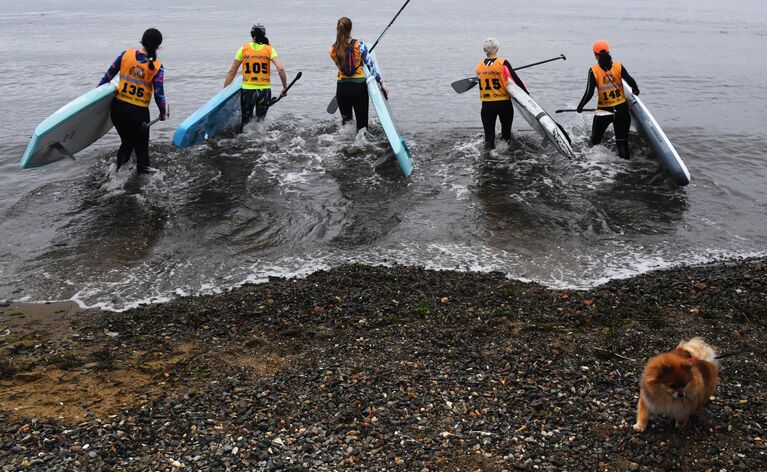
<point>256,68</point>
<point>135,86</point>
<point>609,85</point>
<point>492,81</point>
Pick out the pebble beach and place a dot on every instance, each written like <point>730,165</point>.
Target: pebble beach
<point>385,368</point>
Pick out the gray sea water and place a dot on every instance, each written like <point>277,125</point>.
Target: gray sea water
<point>299,192</point>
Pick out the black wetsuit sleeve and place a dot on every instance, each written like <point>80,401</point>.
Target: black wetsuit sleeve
<point>590,86</point>
<point>630,80</point>
<point>515,77</point>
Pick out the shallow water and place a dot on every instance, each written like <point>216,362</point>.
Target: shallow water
<point>299,192</point>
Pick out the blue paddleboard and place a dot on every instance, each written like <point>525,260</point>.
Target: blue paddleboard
<point>222,112</point>
<point>381,105</point>
<point>70,129</point>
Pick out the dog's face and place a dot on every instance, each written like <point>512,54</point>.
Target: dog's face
<point>670,377</point>
<point>673,379</point>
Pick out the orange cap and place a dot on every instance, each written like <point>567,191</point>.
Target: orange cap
<point>600,46</point>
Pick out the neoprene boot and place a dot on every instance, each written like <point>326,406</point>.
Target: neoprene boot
<point>623,149</point>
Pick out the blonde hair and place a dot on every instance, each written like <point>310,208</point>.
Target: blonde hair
<point>490,45</point>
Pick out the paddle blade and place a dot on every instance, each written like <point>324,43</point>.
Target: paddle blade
<point>464,85</point>
<point>333,106</point>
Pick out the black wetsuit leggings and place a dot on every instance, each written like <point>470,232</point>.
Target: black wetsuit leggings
<point>621,119</point>
<point>258,99</point>
<point>502,109</point>
<point>128,120</point>
<point>353,96</point>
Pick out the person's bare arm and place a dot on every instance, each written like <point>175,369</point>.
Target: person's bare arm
<point>283,75</point>
<point>232,72</point>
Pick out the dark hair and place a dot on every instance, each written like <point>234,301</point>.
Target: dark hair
<point>343,36</point>
<point>605,60</point>
<point>151,41</point>
<point>258,33</point>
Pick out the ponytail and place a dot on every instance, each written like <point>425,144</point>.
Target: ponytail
<point>605,60</point>
<point>258,33</point>
<point>151,41</point>
<point>343,35</point>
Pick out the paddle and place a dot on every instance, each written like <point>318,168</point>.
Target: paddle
<point>277,99</point>
<point>594,110</point>
<point>146,126</point>
<point>333,105</point>
<point>464,85</point>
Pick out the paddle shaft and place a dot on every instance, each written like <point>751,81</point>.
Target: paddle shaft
<point>148,125</point>
<point>298,76</point>
<point>333,105</point>
<point>389,26</point>
<point>469,83</point>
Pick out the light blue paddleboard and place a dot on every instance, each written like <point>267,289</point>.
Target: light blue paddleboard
<point>222,112</point>
<point>70,129</point>
<point>381,105</point>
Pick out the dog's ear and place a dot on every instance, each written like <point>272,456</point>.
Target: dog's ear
<point>687,365</point>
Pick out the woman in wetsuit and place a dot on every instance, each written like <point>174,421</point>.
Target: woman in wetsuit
<point>141,76</point>
<point>493,74</point>
<point>351,90</point>
<point>256,58</point>
<point>607,77</point>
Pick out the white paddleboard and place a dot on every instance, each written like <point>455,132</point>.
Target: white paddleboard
<point>540,121</point>
<point>657,139</point>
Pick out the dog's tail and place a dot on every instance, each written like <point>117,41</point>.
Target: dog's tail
<point>699,348</point>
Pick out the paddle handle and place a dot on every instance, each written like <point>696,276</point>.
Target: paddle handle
<point>146,126</point>
<point>573,110</point>
<point>298,76</point>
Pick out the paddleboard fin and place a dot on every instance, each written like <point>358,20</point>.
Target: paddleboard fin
<point>383,159</point>
<point>64,151</point>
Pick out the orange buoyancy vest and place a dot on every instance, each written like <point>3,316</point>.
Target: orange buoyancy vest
<point>256,65</point>
<point>493,81</point>
<point>135,86</point>
<point>351,68</point>
<point>609,85</point>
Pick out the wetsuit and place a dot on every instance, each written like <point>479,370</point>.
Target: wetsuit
<point>351,89</point>
<point>621,118</point>
<point>496,101</point>
<point>256,90</point>
<point>130,108</point>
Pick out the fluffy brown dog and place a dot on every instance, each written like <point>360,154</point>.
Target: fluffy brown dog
<point>677,383</point>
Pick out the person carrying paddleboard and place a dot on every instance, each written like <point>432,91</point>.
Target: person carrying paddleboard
<point>256,58</point>
<point>348,54</point>
<point>494,73</point>
<point>607,77</point>
<point>141,76</point>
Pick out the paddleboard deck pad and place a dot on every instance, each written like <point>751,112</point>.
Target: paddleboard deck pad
<point>657,139</point>
<point>540,121</point>
<point>381,105</point>
<point>71,128</point>
<point>221,113</point>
